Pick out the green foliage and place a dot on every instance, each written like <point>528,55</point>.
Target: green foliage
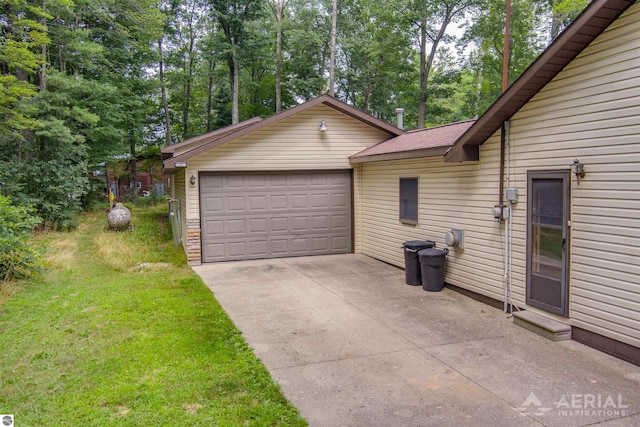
<point>49,169</point>
<point>564,12</point>
<point>20,37</point>
<point>375,57</point>
<point>18,258</point>
<point>529,36</point>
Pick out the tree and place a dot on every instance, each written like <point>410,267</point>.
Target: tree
<point>306,44</point>
<point>278,8</point>
<point>375,58</point>
<point>233,16</point>
<point>528,37</point>
<point>564,12</point>
<point>431,19</point>
<point>332,51</point>
<point>22,36</point>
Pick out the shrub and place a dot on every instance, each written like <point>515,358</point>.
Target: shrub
<point>17,257</point>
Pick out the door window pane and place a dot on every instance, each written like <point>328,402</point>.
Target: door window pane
<point>546,251</point>
<point>547,202</point>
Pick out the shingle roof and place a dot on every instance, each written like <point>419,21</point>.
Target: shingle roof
<point>429,142</point>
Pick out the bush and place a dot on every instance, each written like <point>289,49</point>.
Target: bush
<point>17,257</point>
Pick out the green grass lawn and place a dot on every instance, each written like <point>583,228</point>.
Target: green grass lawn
<point>119,331</point>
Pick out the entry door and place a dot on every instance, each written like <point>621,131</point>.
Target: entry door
<point>547,240</point>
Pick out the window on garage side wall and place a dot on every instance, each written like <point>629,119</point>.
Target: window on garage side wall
<point>409,200</point>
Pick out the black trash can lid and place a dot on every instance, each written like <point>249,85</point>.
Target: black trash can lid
<point>419,244</point>
<point>433,252</point>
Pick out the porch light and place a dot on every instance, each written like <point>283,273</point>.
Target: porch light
<point>323,125</point>
<point>192,180</point>
<point>181,164</point>
<point>578,170</point>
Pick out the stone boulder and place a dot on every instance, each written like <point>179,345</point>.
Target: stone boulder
<point>119,218</point>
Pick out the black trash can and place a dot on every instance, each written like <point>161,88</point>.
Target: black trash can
<point>411,262</point>
<point>432,268</point>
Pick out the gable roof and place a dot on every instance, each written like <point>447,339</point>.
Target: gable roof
<point>208,143</point>
<point>429,142</point>
<point>596,17</point>
<point>201,139</point>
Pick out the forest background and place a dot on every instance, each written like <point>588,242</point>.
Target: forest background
<point>88,82</point>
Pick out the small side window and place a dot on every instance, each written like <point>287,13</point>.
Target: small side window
<point>409,200</point>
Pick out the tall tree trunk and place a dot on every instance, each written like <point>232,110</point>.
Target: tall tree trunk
<point>187,101</point>
<point>233,70</point>
<point>134,170</point>
<point>212,67</point>
<point>332,54</point>
<point>163,90</point>
<point>367,98</point>
<point>42,74</point>
<point>278,11</point>
<point>422,99</point>
<point>506,49</point>
<point>427,62</point>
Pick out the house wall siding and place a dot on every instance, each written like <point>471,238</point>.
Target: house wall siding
<point>590,111</point>
<point>451,195</point>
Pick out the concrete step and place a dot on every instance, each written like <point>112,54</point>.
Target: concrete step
<point>542,325</point>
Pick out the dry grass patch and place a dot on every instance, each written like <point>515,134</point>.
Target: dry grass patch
<point>7,290</point>
<point>62,253</point>
<point>116,250</point>
<point>192,408</point>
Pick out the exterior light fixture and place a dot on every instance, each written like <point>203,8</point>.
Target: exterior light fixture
<point>578,170</point>
<point>192,180</point>
<point>181,164</point>
<point>323,126</point>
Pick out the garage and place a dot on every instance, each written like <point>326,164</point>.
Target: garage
<point>275,214</point>
<point>273,187</point>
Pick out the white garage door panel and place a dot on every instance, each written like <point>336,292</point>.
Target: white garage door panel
<point>267,215</point>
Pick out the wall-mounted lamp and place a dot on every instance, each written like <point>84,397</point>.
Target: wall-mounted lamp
<point>192,180</point>
<point>323,125</point>
<point>578,170</point>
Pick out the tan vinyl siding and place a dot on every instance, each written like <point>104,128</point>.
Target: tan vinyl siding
<point>451,195</point>
<point>591,111</point>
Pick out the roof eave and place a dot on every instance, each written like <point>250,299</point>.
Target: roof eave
<point>401,155</point>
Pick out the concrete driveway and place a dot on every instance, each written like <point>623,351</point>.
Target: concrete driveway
<point>352,345</point>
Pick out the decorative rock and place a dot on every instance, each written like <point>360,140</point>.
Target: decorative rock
<point>119,217</point>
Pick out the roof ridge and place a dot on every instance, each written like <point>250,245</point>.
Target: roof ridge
<point>441,126</point>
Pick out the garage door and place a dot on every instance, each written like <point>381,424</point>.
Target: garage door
<point>272,215</point>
